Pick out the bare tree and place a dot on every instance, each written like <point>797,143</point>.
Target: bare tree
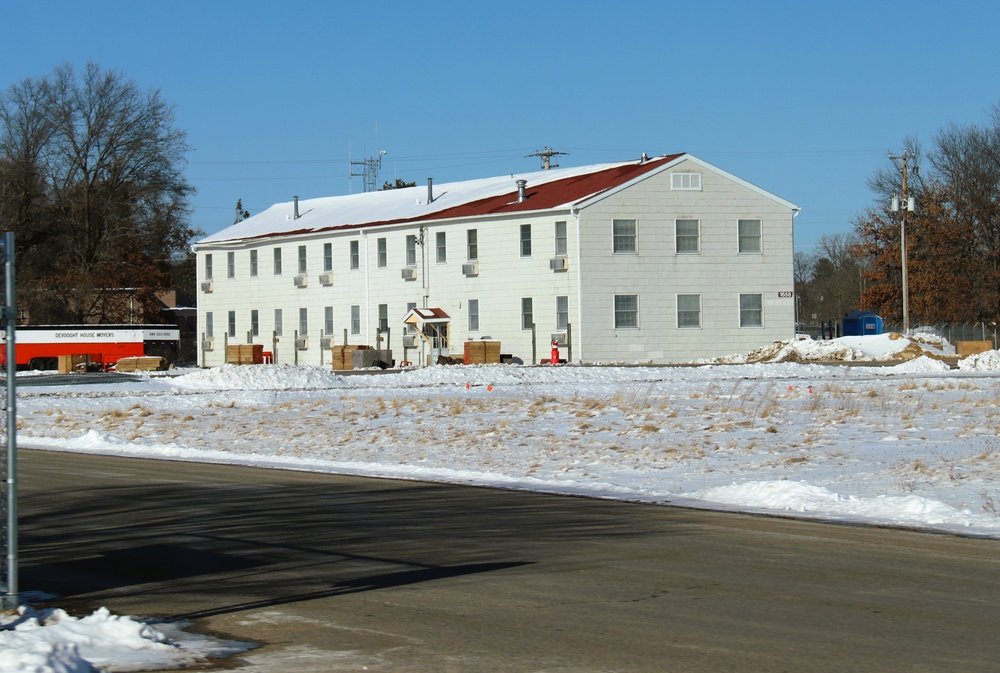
<point>93,189</point>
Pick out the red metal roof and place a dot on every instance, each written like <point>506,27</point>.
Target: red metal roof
<point>539,197</point>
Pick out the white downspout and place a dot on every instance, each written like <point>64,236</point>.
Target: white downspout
<point>578,330</point>
<point>364,313</point>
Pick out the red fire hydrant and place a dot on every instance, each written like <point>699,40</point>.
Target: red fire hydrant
<point>555,352</point>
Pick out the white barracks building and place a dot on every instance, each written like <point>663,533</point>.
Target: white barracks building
<point>659,260</point>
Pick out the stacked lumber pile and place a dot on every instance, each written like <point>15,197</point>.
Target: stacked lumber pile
<point>343,356</point>
<point>482,352</point>
<point>145,363</point>
<point>245,354</point>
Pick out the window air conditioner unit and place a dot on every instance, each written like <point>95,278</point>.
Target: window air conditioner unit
<point>558,263</point>
<point>207,286</point>
<point>302,343</point>
<point>559,338</point>
<point>409,273</point>
<point>326,279</point>
<point>326,343</point>
<point>409,341</point>
<point>471,269</point>
<point>207,344</point>
<point>301,280</point>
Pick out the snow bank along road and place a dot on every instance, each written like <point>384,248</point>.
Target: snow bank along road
<point>338,573</point>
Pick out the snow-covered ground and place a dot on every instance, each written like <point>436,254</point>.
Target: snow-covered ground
<point>916,444</point>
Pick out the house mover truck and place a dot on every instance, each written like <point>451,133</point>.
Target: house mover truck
<point>39,346</point>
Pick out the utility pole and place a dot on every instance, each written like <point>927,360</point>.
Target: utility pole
<point>546,156</point>
<point>903,204</point>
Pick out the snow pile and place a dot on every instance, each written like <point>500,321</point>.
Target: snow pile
<point>259,377</point>
<point>51,640</point>
<point>875,348</point>
<point>981,362</point>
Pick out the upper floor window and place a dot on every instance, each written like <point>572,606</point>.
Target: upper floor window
<point>749,235</point>
<point>442,247</point>
<point>687,236</point>
<point>411,250</point>
<point>277,261</point>
<point>525,240</point>
<point>328,257</point>
<point>382,253</point>
<point>253,263</point>
<point>624,235</point>
<point>303,264</point>
<point>230,265</point>
<point>472,244</point>
<point>208,267</point>
<point>685,181</point>
<point>355,255</point>
<point>561,247</point>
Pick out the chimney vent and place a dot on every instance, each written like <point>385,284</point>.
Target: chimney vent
<point>430,190</point>
<point>295,213</point>
<point>522,194</point>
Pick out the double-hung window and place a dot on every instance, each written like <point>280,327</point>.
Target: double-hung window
<point>277,261</point>
<point>230,265</point>
<point>561,246</point>
<point>254,322</point>
<point>527,314</point>
<point>209,325</point>
<point>303,260</point>
<point>303,322</point>
<point>253,263</point>
<point>562,313</point>
<point>689,311</point>
<point>626,311</point>
<point>525,240</point>
<point>328,320</point>
<point>749,236</point>
<point>355,254</point>
<point>208,267</point>
<point>441,240</point>
<point>278,323</point>
<point>383,317</point>
<point>624,236</point>
<point>355,319</point>
<point>472,244</point>
<point>751,310</point>
<point>411,250</point>
<point>232,324</point>
<point>382,253</point>
<point>686,237</point>
<point>473,315</point>
<point>328,257</point>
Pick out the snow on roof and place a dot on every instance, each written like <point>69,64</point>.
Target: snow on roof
<point>551,189</point>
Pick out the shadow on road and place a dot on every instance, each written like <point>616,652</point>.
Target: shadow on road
<point>237,538</point>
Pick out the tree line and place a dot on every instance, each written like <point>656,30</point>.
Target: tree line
<point>952,236</point>
<point>952,239</point>
<point>91,184</point>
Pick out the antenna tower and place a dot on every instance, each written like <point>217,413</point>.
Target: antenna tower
<point>368,168</point>
<point>546,155</point>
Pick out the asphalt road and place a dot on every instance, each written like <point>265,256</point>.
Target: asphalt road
<point>344,574</point>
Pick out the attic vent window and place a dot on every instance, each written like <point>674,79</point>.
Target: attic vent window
<point>686,181</point>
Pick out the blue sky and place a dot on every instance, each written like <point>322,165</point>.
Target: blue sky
<point>803,99</point>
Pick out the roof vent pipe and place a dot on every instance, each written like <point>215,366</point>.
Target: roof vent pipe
<point>522,190</point>
<point>430,190</point>
<point>295,213</point>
